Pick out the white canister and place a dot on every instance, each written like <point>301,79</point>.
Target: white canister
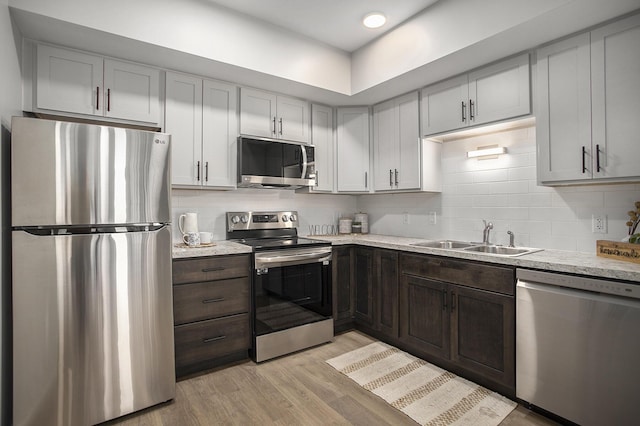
<point>363,218</point>
<point>344,226</point>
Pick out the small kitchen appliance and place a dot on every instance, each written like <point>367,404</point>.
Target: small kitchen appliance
<point>291,283</point>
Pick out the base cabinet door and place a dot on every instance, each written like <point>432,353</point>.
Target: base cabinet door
<point>386,288</point>
<point>424,318</point>
<point>363,270</point>
<point>483,333</point>
<point>343,290</point>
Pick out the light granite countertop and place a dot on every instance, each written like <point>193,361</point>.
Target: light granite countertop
<point>220,248</point>
<point>548,260</point>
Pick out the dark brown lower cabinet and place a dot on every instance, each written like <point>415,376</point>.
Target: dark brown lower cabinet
<point>211,303</point>
<point>466,323</point>
<point>363,279</point>
<point>343,289</point>
<point>386,292</point>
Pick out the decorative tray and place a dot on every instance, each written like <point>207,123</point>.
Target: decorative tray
<point>203,245</point>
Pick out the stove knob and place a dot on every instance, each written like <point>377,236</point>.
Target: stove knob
<point>285,218</point>
<point>235,219</point>
<point>244,219</point>
<point>293,218</point>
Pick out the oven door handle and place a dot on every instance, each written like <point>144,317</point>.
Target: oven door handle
<point>293,259</point>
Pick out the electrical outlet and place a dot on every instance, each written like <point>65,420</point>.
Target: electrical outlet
<point>405,218</point>
<point>432,218</point>
<point>599,224</point>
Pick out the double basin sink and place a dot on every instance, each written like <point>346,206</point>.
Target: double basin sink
<point>477,247</point>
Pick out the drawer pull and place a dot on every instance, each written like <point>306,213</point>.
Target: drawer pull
<point>217,268</point>
<point>213,339</point>
<point>219,299</point>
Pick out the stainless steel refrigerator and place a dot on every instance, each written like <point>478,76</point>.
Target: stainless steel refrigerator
<point>91,264</point>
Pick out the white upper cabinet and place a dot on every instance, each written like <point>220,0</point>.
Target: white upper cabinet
<point>78,83</point>
<point>274,116</point>
<point>201,117</point>
<point>219,134</point>
<point>615,91</point>
<point>322,140</point>
<point>396,144</point>
<point>497,92</point>
<point>586,119</point>
<point>563,111</point>
<point>353,149</point>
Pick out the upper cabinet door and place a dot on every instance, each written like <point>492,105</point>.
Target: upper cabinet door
<point>68,81</point>
<point>219,134</point>
<point>257,113</point>
<point>563,111</point>
<point>445,106</point>
<point>322,139</point>
<point>131,91</point>
<point>353,149</point>
<point>183,119</point>
<point>408,151</point>
<point>615,64</point>
<point>385,145</point>
<point>500,91</point>
<point>292,121</point>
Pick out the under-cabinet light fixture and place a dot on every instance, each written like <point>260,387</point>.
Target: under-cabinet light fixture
<point>374,20</point>
<point>487,151</point>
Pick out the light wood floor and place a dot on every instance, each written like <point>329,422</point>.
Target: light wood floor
<point>299,389</point>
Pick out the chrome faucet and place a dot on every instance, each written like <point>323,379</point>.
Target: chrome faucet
<point>511,238</point>
<point>485,233</point>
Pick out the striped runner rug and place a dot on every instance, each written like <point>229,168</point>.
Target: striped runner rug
<point>426,393</point>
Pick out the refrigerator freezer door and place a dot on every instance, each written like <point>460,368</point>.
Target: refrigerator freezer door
<point>92,326</point>
<point>67,174</point>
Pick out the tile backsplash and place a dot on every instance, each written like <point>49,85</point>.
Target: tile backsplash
<point>502,190</point>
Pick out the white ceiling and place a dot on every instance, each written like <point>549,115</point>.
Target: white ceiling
<point>337,23</point>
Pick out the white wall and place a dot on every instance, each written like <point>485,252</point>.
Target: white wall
<point>10,104</point>
<point>203,29</point>
<point>211,206</point>
<point>504,191</point>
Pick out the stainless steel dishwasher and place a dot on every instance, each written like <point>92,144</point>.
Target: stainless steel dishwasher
<point>578,347</point>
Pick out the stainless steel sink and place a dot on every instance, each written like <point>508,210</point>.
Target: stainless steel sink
<point>444,244</point>
<point>477,247</point>
<point>502,250</point>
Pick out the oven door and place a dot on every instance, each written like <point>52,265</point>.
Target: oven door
<point>292,287</point>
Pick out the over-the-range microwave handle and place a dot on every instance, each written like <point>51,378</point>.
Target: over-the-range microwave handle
<point>304,161</point>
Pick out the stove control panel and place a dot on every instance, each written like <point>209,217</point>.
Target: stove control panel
<point>237,221</point>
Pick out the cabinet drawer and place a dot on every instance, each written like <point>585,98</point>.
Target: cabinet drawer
<point>211,299</point>
<point>471,274</point>
<point>206,340</point>
<point>210,269</point>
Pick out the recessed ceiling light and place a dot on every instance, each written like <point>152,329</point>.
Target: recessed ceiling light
<point>374,20</point>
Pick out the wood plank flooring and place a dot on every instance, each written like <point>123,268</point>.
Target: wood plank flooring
<point>299,389</point>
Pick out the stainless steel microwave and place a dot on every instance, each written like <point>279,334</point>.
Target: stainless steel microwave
<point>269,163</point>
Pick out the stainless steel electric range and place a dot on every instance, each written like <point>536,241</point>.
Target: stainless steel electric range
<point>291,284</point>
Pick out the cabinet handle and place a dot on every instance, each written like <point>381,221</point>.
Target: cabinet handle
<point>206,171</point>
<point>213,339</point>
<point>471,116</point>
<point>108,99</point>
<point>390,177</point>
<point>97,98</point>
<point>280,121</point>
<point>214,269</point>
<point>366,180</point>
<point>396,177</point>
<point>219,299</point>
<point>444,300</point>
<point>463,112</point>
<point>598,158</point>
<point>198,171</point>
<point>584,161</point>
<point>453,301</point>
<point>274,125</point>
